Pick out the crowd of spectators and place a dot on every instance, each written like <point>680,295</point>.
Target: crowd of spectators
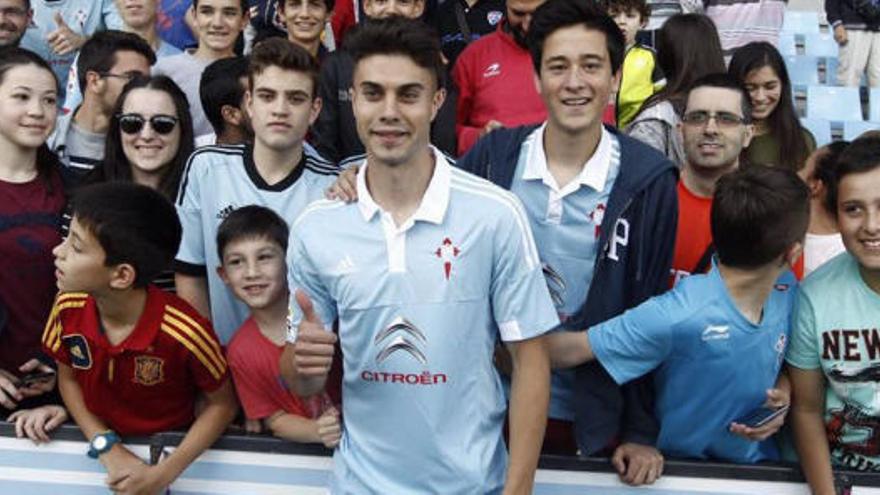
<point>385,227</point>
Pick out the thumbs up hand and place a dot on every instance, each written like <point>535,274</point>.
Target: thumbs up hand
<point>63,39</point>
<point>314,346</point>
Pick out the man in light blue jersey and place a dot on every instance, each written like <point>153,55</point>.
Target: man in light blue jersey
<point>425,273</point>
<point>603,210</point>
<point>279,171</point>
<point>716,342</point>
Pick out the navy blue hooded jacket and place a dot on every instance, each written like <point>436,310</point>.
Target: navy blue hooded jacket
<point>636,246</point>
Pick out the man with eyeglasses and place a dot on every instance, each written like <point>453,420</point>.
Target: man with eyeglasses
<point>15,15</point>
<point>716,127</point>
<point>107,61</point>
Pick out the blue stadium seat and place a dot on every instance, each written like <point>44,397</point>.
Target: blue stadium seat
<point>874,105</point>
<point>834,103</point>
<point>853,129</point>
<point>800,22</point>
<point>820,129</point>
<point>831,71</point>
<point>820,45</point>
<point>787,44</point>
<point>803,70</point>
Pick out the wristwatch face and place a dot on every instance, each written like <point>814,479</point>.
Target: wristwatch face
<point>100,443</point>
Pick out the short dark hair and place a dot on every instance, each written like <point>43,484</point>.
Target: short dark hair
<point>640,6</point>
<point>115,165</point>
<point>757,214</point>
<point>245,7</point>
<point>279,52</point>
<point>825,170</point>
<point>252,221</point>
<point>221,85</point>
<point>329,4</point>
<point>98,54</point>
<point>726,81</point>
<point>133,224</point>
<point>397,35</point>
<point>558,14</point>
<point>862,155</point>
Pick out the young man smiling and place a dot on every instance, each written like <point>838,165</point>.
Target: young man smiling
<point>603,209</point>
<point>422,288</point>
<point>219,22</point>
<point>278,172</point>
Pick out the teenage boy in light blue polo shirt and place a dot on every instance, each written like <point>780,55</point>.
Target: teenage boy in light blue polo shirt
<point>426,273</point>
<point>716,342</point>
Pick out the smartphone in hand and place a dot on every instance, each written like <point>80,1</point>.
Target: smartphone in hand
<point>761,416</point>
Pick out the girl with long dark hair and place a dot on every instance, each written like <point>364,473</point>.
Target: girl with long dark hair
<point>779,138</point>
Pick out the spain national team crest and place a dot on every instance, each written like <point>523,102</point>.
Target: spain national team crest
<point>148,370</point>
<point>78,350</point>
<point>447,252</point>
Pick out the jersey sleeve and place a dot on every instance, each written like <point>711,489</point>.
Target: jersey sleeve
<point>521,302</point>
<point>206,360</point>
<point>634,343</point>
<point>304,275</point>
<point>803,350</point>
<point>191,257</point>
<point>54,330</point>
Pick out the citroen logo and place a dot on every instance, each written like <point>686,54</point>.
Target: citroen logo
<point>405,338</point>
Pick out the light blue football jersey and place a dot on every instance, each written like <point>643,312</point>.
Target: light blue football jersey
<point>713,366</point>
<point>420,310</point>
<point>566,222</point>
<point>216,181</point>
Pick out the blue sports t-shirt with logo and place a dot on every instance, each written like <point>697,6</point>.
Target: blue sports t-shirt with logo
<point>713,366</point>
<point>836,331</point>
<point>566,221</point>
<point>421,307</point>
<point>219,179</point>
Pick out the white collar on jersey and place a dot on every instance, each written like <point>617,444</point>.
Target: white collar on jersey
<point>434,202</point>
<point>593,174</point>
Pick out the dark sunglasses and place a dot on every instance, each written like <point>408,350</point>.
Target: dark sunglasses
<point>133,123</point>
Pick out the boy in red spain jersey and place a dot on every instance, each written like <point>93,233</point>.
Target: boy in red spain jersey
<point>132,359</point>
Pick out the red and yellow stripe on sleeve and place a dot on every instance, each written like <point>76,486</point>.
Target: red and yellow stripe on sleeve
<point>192,335</point>
<point>53,330</point>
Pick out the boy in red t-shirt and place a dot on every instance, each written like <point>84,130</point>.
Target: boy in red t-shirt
<point>132,359</point>
<point>252,242</point>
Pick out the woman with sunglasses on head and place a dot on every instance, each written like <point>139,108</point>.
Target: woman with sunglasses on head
<point>32,200</point>
<point>149,140</point>
<point>779,138</point>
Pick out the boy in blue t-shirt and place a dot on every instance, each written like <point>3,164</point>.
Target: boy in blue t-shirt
<point>716,341</point>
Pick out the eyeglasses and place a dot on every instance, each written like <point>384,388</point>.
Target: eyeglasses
<point>722,119</point>
<point>128,76</point>
<point>133,123</point>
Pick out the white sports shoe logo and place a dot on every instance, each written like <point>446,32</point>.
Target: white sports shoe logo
<point>716,332</point>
